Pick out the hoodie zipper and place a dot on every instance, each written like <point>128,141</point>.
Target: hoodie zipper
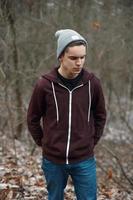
<point>69,120</point>
<point>69,127</point>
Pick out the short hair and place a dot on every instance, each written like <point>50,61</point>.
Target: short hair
<point>72,44</point>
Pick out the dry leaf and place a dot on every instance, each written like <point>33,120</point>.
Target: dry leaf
<point>96,25</point>
<point>110,173</point>
<point>9,195</point>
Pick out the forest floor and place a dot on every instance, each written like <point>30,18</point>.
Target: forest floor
<point>21,176</point>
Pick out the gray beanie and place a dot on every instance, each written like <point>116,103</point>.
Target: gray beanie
<point>65,37</point>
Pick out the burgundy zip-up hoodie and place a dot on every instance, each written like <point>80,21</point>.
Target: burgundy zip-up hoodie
<point>67,124</point>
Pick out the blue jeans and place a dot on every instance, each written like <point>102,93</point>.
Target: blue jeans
<point>83,175</point>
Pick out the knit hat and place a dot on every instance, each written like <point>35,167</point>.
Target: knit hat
<point>65,37</point>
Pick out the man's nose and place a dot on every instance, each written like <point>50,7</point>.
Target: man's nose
<point>78,61</point>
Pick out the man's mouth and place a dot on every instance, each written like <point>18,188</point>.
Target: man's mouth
<point>77,69</point>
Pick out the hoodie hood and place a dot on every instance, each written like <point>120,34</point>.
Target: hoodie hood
<point>52,76</point>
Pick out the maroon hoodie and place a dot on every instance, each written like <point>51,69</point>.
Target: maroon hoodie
<point>72,121</point>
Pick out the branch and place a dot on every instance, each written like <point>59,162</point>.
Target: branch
<point>114,180</point>
<point>119,163</point>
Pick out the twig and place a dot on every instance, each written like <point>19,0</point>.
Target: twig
<point>113,179</point>
<point>119,163</point>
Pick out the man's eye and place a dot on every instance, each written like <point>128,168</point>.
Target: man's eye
<point>73,58</point>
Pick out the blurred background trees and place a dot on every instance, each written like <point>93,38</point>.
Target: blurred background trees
<point>28,48</point>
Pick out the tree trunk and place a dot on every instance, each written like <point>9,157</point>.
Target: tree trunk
<point>10,19</point>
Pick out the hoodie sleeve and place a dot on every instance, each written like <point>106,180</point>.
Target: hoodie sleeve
<point>99,111</point>
<point>36,110</point>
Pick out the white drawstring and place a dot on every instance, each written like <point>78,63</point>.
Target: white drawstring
<point>57,110</point>
<point>89,101</point>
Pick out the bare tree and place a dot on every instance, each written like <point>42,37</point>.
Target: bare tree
<point>9,18</point>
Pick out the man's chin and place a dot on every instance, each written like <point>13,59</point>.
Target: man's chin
<point>77,71</point>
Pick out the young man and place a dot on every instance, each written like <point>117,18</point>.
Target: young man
<point>70,102</point>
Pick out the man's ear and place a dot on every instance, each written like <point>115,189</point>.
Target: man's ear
<point>61,58</point>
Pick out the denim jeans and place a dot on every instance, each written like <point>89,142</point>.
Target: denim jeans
<point>83,175</point>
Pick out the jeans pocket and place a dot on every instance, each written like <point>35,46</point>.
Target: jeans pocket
<point>44,163</point>
<point>47,164</point>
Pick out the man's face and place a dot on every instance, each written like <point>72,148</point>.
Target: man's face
<point>72,61</point>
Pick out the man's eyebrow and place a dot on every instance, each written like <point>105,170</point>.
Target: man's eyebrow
<point>71,56</point>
